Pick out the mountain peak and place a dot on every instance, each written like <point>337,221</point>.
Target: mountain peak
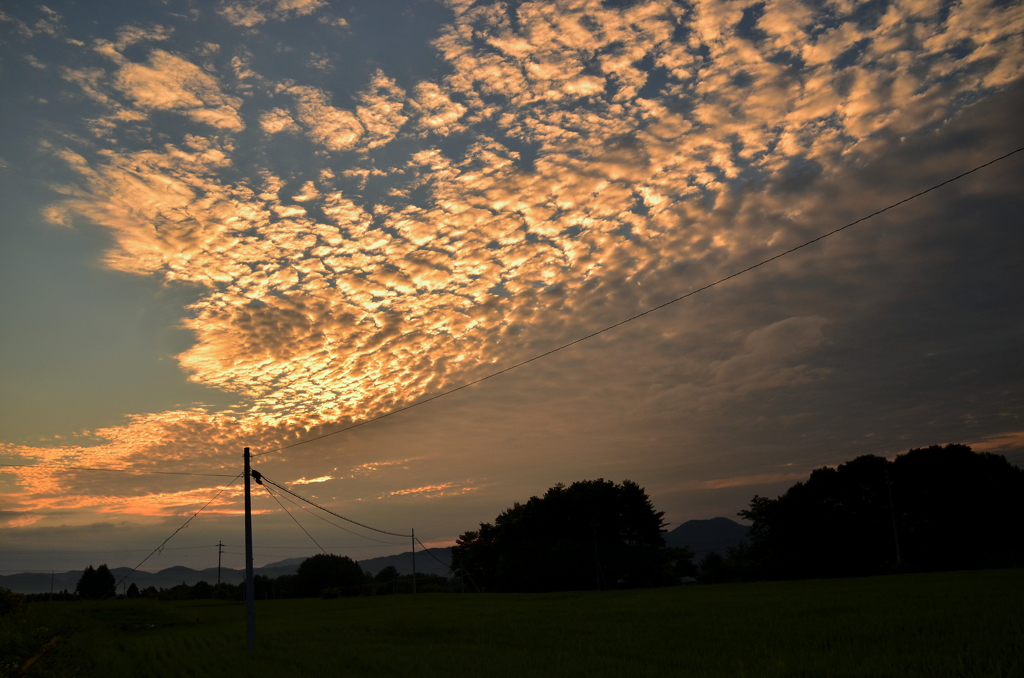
<point>710,535</point>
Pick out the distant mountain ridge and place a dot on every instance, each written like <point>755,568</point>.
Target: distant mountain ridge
<point>700,536</point>
<point>714,535</point>
<point>39,582</point>
<point>426,563</point>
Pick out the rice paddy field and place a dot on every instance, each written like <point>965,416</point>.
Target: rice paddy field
<point>943,624</point>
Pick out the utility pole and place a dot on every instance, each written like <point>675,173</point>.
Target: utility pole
<point>892,512</point>
<point>220,552</point>
<point>414,562</point>
<point>250,593</point>
<point>51,586</point>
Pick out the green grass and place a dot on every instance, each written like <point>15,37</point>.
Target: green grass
<point>947,624</point>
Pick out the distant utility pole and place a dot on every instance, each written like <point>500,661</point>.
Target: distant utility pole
<point>892,512</point>
<point>51,586</point>
<point>220,552</point>
<point>250,593</point>
<point>414,562</point>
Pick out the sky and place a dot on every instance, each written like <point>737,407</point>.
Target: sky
<point>250,223</point>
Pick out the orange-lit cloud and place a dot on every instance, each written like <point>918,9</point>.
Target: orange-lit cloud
<point>307,481</point>
<point>169,82</point>
<point>21,519</point>
<point>744,481</point>
<point>433,491</point>
<point>1000,443</point>
<point>250,13</point>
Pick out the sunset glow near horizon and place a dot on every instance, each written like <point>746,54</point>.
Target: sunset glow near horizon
<point>254,222</point>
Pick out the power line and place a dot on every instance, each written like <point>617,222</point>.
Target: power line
<point>648,311</point>
<point>357,546</point>
<point>183,526</point>
<point>326,510</point>
<point>427,550</point>
<point>292,517</point>
<point>61,467</point>
<point>340,527</point>
<point>449,566</point>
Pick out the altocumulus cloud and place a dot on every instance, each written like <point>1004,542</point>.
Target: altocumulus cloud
<point>571,159</point>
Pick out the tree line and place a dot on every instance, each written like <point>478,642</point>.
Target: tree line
<point>936,508</point>
<point>591,534</point>
<point>322,575</point>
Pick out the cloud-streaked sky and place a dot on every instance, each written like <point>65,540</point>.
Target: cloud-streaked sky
<point>250,223</point>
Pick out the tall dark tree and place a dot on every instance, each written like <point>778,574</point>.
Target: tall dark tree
<point>958,509</point>
<point>387,575</point>
<point>322,571</point>
<point>97,583</point>
<point>591,534</point>
<point>953,508</point>
<point>387,580</point>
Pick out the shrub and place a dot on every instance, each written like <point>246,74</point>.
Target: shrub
<point>9,602</point>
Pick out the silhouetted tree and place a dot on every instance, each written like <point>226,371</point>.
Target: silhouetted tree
<point>713,569</point>
<point>738,564</point>
<point>133,591</point>
<point>9,602</point>
<point>180,592</point>
<point>321,572</point>
<point>954,509</point>
<point>592,534</point>
<point>387,575</point>
<point>958,509</point>
<point>681,562</point>
<point>387,580</point>
<point>225,591</point>
<point>96,583</point>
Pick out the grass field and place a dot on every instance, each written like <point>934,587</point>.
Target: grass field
<point>947,624</point>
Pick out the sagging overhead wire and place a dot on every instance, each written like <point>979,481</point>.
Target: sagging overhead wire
<point>327,510</point>
<point>183,526</point>
<point>285,509</point>
<point>648,311</point>
<point>340,527</point>
<point>427,550</point>
<point>448,565</point>
<point>341,547</point>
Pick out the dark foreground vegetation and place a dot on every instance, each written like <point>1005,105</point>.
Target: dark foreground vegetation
<point>930,509</point>
<point>593,534</point>
<point>960,624</point>
<point>320,576</point>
